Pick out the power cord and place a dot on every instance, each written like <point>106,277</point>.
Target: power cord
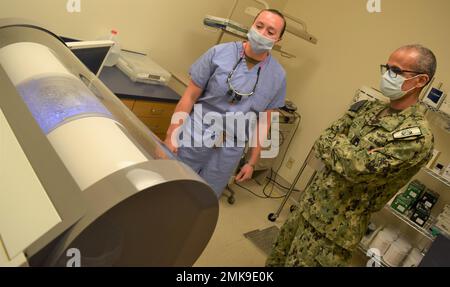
<point>272,180</point>
<point>284,187</point>
<point>259,196</point>
<point>298,119</point>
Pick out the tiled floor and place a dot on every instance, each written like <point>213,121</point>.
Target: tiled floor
<point>228,247</point>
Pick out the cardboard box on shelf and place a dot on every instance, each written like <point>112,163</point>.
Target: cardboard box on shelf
<point>429,198</point>
<point>402,203</point>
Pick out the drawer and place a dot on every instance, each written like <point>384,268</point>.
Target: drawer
<point>128,102</point>
<point>156,124</point>
<point>153,109</point>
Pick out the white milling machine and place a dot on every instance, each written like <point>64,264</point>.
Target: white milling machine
<point>80,174</point>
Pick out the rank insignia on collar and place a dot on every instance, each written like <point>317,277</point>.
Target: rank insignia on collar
<point>357,106</point>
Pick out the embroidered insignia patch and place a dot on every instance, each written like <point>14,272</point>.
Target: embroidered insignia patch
<point>408,133</point>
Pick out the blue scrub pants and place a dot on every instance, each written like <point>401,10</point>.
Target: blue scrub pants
<point>214,165</point>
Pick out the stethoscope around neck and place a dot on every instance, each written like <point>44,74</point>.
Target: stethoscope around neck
<point>236,95</point>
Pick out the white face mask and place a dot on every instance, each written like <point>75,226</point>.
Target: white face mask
<point>258,42</point>
<point>392,87</point>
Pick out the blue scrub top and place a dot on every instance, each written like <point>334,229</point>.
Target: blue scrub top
<point>210,73</point>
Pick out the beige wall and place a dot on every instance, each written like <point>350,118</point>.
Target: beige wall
<point>321,80</point>
<point>352,45</point>
<point>170,30</point>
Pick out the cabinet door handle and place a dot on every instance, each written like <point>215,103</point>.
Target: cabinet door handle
<point>157,111</point>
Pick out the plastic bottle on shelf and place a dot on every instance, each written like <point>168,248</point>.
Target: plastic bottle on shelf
<point>114,53</point>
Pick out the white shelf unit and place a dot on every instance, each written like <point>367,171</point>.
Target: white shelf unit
<point>425,230</point>
<point>434,110</point>
<point>436,176</point>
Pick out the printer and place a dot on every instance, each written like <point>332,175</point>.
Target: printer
<point>82,181</point>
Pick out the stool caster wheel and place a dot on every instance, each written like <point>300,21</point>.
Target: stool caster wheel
<point>272,217</point>
<point>231,200</point>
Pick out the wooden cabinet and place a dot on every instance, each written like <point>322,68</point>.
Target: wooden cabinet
<point>129,103</point>
<point>155,115</point>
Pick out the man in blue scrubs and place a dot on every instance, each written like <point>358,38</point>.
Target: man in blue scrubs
<point>230,78</point>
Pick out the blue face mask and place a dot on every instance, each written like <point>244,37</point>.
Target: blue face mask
<point>258,42</point>
<point>392,87</point>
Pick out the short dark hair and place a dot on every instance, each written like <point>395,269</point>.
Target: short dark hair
<point>274,11</point>
<point>426,62</point>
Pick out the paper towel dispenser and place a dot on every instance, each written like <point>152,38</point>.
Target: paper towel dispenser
<point>79,171</point>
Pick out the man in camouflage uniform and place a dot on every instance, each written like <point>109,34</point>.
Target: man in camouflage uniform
<point>368,155</point>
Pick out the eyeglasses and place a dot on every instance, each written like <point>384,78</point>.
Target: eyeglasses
<point>237,96</point>
<point>394,71</point>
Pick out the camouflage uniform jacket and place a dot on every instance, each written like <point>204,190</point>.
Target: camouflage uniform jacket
<point>367,160</point>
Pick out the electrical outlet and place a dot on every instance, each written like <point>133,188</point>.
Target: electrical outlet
<point>290,163</point>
